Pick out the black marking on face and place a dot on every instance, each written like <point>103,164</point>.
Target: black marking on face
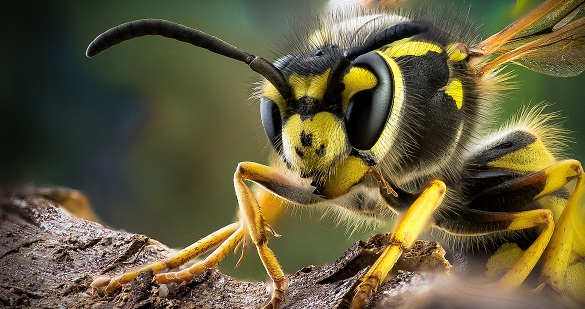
<point>321,151</point>
<point>307,107</point>
<point>299,152</point>
<point>306,139</point>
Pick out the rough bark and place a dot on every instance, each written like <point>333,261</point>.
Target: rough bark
<point>48,258</point>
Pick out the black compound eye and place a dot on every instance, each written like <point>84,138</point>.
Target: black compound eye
<point>272,122</point>
<point>368,110</point>
<point>357,119</point>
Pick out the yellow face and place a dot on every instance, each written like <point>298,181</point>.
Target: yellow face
<point>313,139</point>
<point>314,144</point>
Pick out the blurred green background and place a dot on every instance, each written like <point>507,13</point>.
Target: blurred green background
<point>153,129</point>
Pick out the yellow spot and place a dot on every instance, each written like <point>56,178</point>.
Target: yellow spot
<point>311,85</point>
<point>530,158</point>
<point>455,90</point>
<point>411,48</point>
<point>502,260</point>
<point>356,80</point>
<point>457,52</point>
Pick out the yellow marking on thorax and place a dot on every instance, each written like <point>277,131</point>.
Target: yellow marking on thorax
<point>410,48</point>
<point>455,90</point>
<point>356,80</point>
<point>312,85</point>
<point>457,52</point>
<point>530,158</point>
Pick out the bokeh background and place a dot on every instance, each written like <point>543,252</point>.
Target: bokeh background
<point>152,130</point>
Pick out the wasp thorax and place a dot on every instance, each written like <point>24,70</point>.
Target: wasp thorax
<point>312,144</point>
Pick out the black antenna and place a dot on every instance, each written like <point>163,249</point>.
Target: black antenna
<point>384,37</point>
<point>192,36</point>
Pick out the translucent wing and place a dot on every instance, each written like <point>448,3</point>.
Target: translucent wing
<point>549,40</point>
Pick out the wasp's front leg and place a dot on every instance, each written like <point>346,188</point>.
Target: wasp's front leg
<point>219,238</point>
<point>226,239</point>
<point>255,223</point>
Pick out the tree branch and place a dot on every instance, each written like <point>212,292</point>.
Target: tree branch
<point>49,258</point>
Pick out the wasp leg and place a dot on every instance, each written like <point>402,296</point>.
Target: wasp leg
<point>564,266</point>
<point>525,264</point>
<point>226,239</point>
<point>560,243</point>
<point>560,246</point>
<point>250,210</point>
<point>211,261</point>
<point>183,256</point>
<point>405,234</point>
<point>550,179</point>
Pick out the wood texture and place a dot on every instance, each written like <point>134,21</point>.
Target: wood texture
<point>48,258</point>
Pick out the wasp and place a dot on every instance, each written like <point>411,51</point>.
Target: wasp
<point>387,111</point>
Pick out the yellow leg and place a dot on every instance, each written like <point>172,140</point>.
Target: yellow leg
<point>210,261</point>
<point>560,245</point>
<point>405,234</point>
<point>183,256</point>
<point>567,245</point>
<point>226,239</point>
<point>557,242</point>
<point>525,264</point>
<point>256,225</point>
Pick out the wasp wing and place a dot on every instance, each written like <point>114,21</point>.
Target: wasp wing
<point>549,40</point>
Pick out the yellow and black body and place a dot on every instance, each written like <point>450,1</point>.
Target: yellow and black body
<point>382,112</point>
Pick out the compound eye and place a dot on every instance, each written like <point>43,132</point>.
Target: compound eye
<point>368,110</point>
<point>272,122</point>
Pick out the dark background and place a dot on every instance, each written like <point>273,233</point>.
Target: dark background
<point>152,130</point>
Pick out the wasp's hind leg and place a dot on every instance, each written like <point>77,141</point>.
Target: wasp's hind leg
<point>564,260</point>
<point>515,183</point>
